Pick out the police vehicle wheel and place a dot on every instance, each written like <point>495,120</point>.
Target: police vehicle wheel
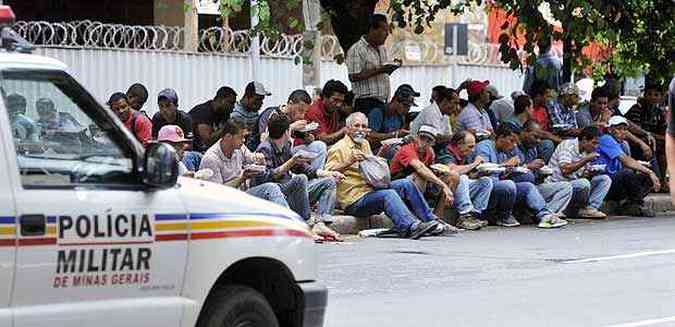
<point>237,306</point>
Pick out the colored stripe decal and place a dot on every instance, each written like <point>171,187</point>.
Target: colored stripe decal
<point>229,224</point>
<point>170,217</point>
<point>37,241</point>
<point>171,237</point>
<point>11,242</point>
<point>51,230</point>
<point>251,233</point>
<point>7,220</point>
<point>197,216</point>
<point>171,227</point>
<point>106,243</point>
<point>51,219</point>
<point>8,230</point>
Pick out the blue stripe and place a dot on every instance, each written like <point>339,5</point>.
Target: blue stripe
<point>198,216</point>
<point>7,220</point>
<point>170,217</point>
<point>51,219</point>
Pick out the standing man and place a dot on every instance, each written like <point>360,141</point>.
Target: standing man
<point>208,118</point>
<point>168,114</point>
<point>247,111</point>
<point>133,120</point>
<point>367,65</point>
<point>325,111</point>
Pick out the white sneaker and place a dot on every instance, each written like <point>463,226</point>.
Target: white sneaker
<point>551,221</point>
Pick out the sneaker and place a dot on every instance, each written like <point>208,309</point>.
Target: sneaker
<point>551,221</point>
<point>468,222</point>
<point>559,222</point>
<point>444,228</point>
<point>589,212</point>
<point>508,222</point>
<point>420,229</point>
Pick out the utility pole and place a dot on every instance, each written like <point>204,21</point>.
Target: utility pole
<point>311,71</point>
<point>255,41</point>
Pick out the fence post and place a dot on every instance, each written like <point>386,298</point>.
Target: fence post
<point>255,41</point>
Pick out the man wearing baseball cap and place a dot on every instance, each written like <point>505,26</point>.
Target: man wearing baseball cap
<point>168,114</point>
<point>188,161</point>
<point>474,117</point>
<point>246,111</point>
<point>563,112</point>
<point>389,122</point>
<point>631,181</point>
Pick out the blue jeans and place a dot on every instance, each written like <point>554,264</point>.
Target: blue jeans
<point>472,195</point>
<point>270,192</point>
<point>413,198</point>
<point>590,194</point>
<point>323,192</point>
<point>383,200</point>
<point>295,191</point>
<point>317,147</point>
<point>528,194</point>
<point>557,195</point>
<point>502,198</point>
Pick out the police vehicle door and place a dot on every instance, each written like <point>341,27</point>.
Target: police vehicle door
<point>89,242</point>
<point>7,235</point>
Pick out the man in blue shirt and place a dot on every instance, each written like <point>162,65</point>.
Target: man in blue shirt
<point>23,128</point>
<point>631,181</point>
<point>503,151</point>
<point>389,122</point>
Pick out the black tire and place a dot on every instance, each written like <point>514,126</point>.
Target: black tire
<point>237,306</point>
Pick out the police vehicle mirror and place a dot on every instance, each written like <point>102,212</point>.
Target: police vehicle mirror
<point>160,166</point>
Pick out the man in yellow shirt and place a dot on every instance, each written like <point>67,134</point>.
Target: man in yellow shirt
<point>354,193</point>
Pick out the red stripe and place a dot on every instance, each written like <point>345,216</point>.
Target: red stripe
<point>250,233</point>
<point>8,242</point>
<point>106,243</point>
<point>37,241</point>
<point>171,237</point>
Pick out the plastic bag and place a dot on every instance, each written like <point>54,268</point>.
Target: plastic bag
<point>376,172</point>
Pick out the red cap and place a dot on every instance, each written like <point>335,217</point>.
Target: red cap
<point>476,87</point>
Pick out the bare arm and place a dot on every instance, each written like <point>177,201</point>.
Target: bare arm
<point>569,168</point>
<point>426,173</point>
<point>465,169</point>
<point>332,138</point>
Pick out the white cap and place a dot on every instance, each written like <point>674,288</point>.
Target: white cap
<point>428,130</point>
<point>616,121</point>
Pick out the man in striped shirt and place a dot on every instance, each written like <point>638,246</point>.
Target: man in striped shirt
<point>247,110</point>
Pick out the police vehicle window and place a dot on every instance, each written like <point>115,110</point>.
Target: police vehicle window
<point>60,137</point>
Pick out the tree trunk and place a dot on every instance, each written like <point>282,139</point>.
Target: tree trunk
<point>349,19</point>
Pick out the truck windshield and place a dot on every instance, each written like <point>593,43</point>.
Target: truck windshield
<point>60,135</point>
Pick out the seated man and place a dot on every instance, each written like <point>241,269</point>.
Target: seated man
<point>563,115</point>
<point>502,151</point>
<point>325,111</point>
<point>174,136</point>
<point>481,189</point>
<point>523,112</point>
<point>168,114</point>
<point>135,121</point>
<point>542,95</point>
<point>438,115</point>
<point>631,181</point>
<point>208,118</point>
<point>306,188</point>
<point>474,117</point>
<point>556,194</point>
<point>411,164</point>
<point>356,196</point>
<point>389,123</point>
<point>247,110</point>
<point>571,162</point>
<point>228,159</point>
<point>295,110</point>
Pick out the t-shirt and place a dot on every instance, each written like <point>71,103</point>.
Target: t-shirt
<point>204,113</point>
<point>432,116</point>
<point>225,169</point>
<point>379,122</point>
<point>140,126</point>
<point>610,150</point>
<point>502,108</point>
<point>474,118</point>
<point>567,152</point>
<point>651,118</point>
<point>182,120</point>
<point>329,123</point>
<point>400,165</point>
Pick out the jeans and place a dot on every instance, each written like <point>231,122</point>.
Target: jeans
<point>383,200</point>
<point>295,191</point>
<point>557,195</point>
<point>323,192</point>
<point>528,194</point>
<point>502,198</point>
<point>590,194</point>
<point>270,192</point>
<point>317,147</point>
<point>473,195</point>
<point>545,149</point>
<point>413,198</point>
<point>629,185</point>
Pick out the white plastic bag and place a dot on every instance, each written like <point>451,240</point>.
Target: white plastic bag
<point>376,172</point>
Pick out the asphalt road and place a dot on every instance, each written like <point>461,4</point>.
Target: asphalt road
<point>617,272</point>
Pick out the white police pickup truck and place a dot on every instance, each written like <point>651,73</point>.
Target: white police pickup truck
<point>97,231</point>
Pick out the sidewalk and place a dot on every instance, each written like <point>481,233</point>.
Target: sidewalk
<point>352,225</point>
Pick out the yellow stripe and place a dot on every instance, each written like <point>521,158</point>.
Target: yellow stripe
<point>7,230</point>
<point>51,230</point>
<point>171,227</point>
<point>229,224</point>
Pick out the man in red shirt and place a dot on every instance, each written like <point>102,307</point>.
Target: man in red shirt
<point>137,122</point>
<point>541,93</point>
<point>324,111</point>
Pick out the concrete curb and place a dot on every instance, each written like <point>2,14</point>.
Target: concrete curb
<point>351,225</point>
